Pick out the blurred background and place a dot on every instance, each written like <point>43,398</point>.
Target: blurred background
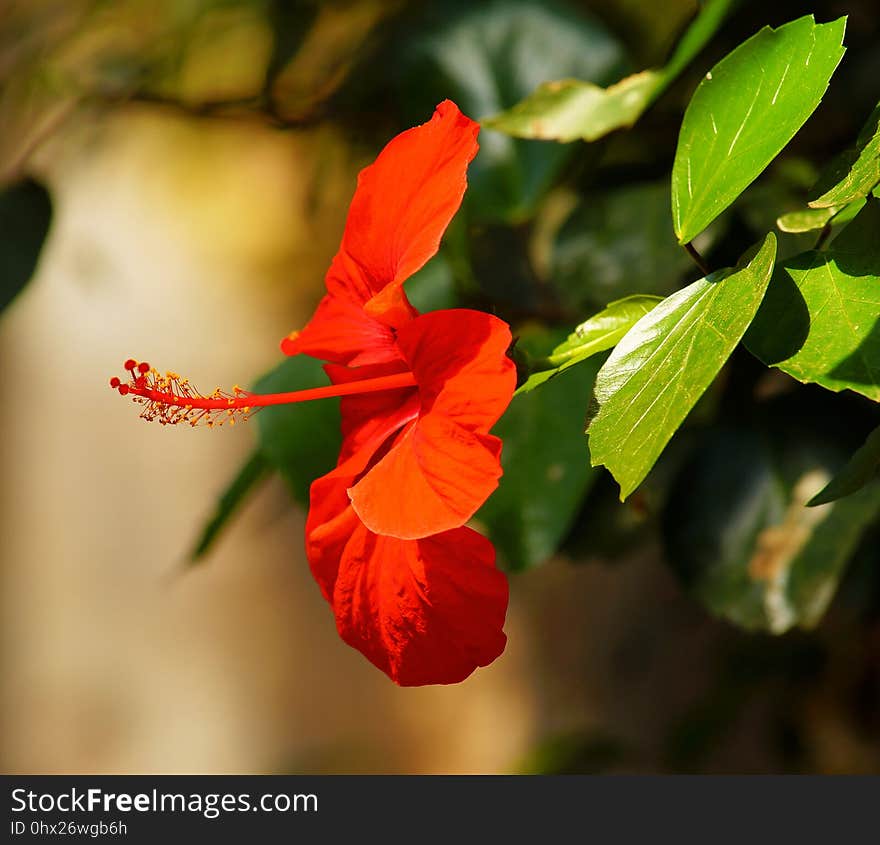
<point>175,180</point>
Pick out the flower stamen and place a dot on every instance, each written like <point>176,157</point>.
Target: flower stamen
<point>171,399</point>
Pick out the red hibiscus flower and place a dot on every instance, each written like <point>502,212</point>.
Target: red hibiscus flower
<point>412,588</point>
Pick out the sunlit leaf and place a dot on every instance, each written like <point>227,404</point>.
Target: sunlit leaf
<point>488,56</point>
<point>820,320</point>
<point>569,109</point>
<point>597,334</point>
<point>853,173</point>
<point>301,441</point>
<point>806,220</point>
<point>25,214</point>
<point>861,469</point>
<point>546,469</point>
<point>746,109</point>
<point>663,365</point>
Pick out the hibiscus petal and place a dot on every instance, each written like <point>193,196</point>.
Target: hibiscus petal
<point>340,331</point>
<point>423,611</point>
<point>403,204</point>
<point>434,478</point>
<point>369,419</point>
<point>367,425</point>
<point>331,521</point>
<point>442,469</point>
<point>459,358</point>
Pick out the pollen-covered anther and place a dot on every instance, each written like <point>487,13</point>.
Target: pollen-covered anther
<point>170,399</point>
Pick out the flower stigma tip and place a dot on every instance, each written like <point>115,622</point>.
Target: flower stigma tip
<point>171,399</point>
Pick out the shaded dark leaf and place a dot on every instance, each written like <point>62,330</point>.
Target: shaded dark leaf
<point>742,538</point>
<point>861,469</point>
<point>301,441</point>
<point>254,470</point>
<point>25,215</point>
<point>546,468</point>
<point>618,243</point>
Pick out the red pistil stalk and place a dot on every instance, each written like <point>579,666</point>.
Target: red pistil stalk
<point>171,399</point>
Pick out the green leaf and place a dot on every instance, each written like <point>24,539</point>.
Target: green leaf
<point>819,321</point>
<point>855,172</point>
<point>619,242</point>
<point>25,214</point>
<point>815,570</point>
<point>861,469</point>
<point>487,57</point>
<point>746,109</point>
<point>570,109</point>
<point>739,532</point>
<point>697,35</point>
<point>597,334</point>
<point>806,220</point>
<point>301,441</point>
<point>254,470</point>
<point>812,219</point>
<point>546,469</point>
<point>666,361</point>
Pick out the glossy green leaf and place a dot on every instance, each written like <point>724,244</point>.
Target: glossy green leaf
<point>664,363</point>
<point>546,469</point>
<point>487,57</point>
<point>806,220</point>
<point>597,334</point>
<point>820,320</point>
<point>301,441</point>
<point>739,532</point>
<point>861,469</point>
<point>619,242</point>
<point>570,109</point>
<point>848,213</point>
<point>855,172</point>
<point>25,215</point>
<point>744,112</point>
<point>254,470</point>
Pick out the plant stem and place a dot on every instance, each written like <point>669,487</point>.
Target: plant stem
<point>691,250</point>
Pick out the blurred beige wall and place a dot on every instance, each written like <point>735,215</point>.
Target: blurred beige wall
<point>194,244</point>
